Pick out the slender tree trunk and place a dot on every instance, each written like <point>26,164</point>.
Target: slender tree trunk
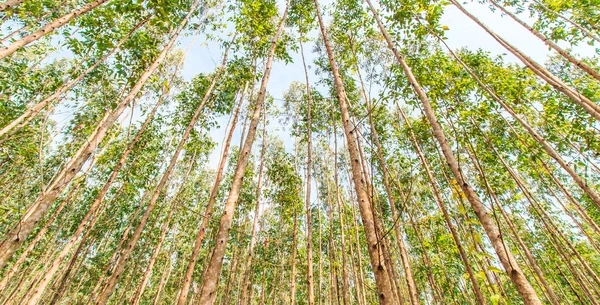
<point>39,208</point>
<point>536,136</point>
<point>384,287</point>
<point>118,248</point>
<point>440,203</point>
<point>209,288</point>
<point>592,108</point>
<point>140,291</point>
<point>105,294</point>
<point>30,113</point>
<point>48,28</point>
<point>573,201</point>
<point>410,282</point>
<point>345,281</point>
<point>309,234</point>
<point>93,212</point>
<point>538,271</point>
<point>187,280</point>
<point>582,29</point>
<point>583,66</point>
<point>246,284</point>
<point>9,3</point>
<point>293,261</point>
<point>15,267</point>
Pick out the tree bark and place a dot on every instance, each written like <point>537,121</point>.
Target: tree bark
<point>209,287</point>
<point>246,284</point>
<point>10,3</point>
<point>187,280</point>
<point>309,233</point>
<point>552,297</point>
<point>105,294</point>
<point>142,286</point>
<point>384,287</point>
<point>48,28</point>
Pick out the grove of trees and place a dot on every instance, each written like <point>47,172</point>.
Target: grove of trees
<point>394,169</point>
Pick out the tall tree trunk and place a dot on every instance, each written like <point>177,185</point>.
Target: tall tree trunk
<point>187,280</point>
<point>209,287</point>
<point>309,234</point>
<point>440,203</point>
<point>345,281</point>
<point>30,113</point>
<point>552,297</point>
<point>93,212</point>
<point>410,282</point>
<point>142,286</point>
<point>384,287</point>
<point>536,136</point>
<point>293,260</point>
<point>246,284</point>
<point>39,208</point>
<point>15,267</point>
<point>48,28</point>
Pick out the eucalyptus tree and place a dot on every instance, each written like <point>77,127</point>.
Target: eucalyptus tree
<point>39,208</point>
